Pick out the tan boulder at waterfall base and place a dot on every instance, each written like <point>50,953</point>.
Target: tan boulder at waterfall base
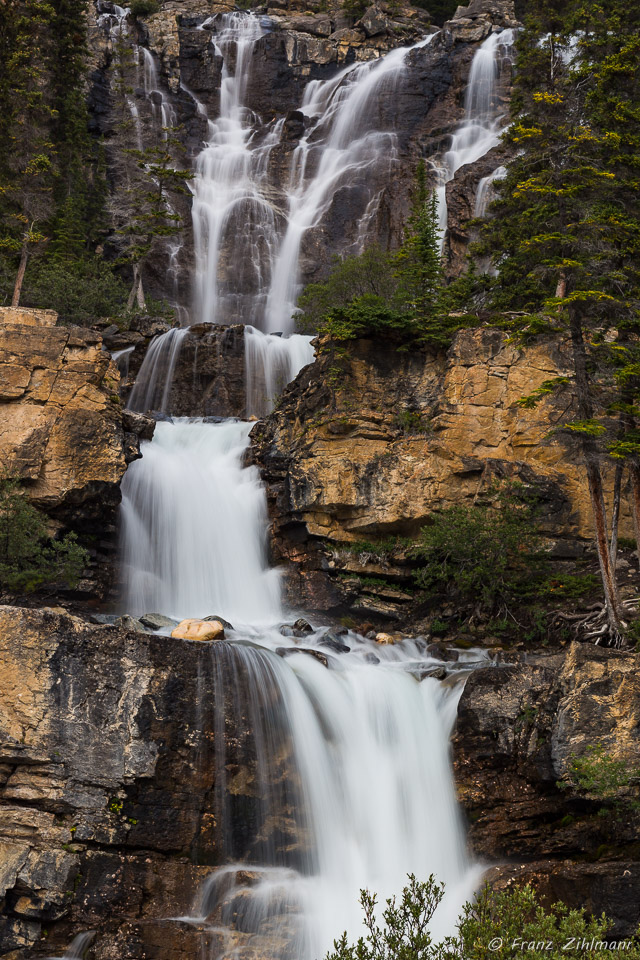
<point>194,629</point>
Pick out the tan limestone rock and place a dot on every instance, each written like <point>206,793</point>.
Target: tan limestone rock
<point>193,629</point>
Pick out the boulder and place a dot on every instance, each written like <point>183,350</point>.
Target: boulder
<point>193,629</point>
<point>374,22</point>
<point>385,639</point>
<point>292,651</point>
<point>215,616</point>
<point>156,621</point>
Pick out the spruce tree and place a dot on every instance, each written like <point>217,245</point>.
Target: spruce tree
<point>564,231</point>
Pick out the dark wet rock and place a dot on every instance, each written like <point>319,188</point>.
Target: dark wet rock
<point>302,626</point>
<point>332,643</point>
<point>439,651</point>
<point>225,623</point>
<point>371,657</point>
<point>517,731</point>
<point>436,673</point>
<point>316,654</point>
<point>156,621</point>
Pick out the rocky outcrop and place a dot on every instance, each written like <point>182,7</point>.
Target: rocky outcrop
<point>367,443</point>
<point>209,378</point>
<point>62,431</point>
<point>112,759</point>
<point>518,730</point>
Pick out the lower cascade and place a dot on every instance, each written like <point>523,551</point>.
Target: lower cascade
<point>347,745</point>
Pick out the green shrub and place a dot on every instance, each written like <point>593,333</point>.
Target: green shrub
<point>81,291</point>
<point>144,8</point>
<point>500,924</point>
<point>483,552</point>
<point>29,557</point>
<point>370,273</point>
<point>597,774</point>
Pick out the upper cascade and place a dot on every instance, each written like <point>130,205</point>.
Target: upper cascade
<point>248,241</point>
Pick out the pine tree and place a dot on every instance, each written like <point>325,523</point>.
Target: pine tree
<point>564,230</point>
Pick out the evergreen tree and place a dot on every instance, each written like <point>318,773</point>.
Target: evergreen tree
<point>27,167</point>
<point>419,259</point>
<point>564,231</point>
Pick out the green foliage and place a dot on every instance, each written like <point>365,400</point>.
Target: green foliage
<point>81,291</point>
<point>500,924</point>
<point>404,934</point>
<point>597,774</point>
<point>354,8</point>
<point>396,295</point>
<point>144,8</point>
<point>483,553</point>
<point>371,274</point>
<point>29,557</point>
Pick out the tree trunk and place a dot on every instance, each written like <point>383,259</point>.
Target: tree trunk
<point>615,514</point>
<point>594,479</point>
<point>17,290</point>
<point>136,294</point>
<point>141,301</point>
<point>634,471</point>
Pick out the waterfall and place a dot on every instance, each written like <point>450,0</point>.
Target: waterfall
<point>152,389</point>
<point>348,753</point>
<point>194,525</point>
<point>79,946</point>
<point>247,240</point>
<point>346,746</point>
<point>484,194</point>
<point>271,362</point>
<point>483,122</point>
<point>353,790</point>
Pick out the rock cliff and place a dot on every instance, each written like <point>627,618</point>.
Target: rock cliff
<point>63,433</point>
<point>368,442</point>
<point>519,728</point>
<point>111,767</point>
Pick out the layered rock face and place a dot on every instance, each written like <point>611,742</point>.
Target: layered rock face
<point>114,756</point>
<point>519,728</point>
<point>62,430</point>
<point>368,443</point>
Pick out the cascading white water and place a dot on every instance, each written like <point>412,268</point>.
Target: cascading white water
<point>369,769</point>
<point>370,759</point>
<point>78,947</point>
<point>194,526</point>
<point>271,362</point>
<point>484,117</point>
<point>368,791</point>
<point>485,191</point>
<point>248,243</point>
<point>343,146</point>
<point>152,388</point>
<point>233,221</point>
